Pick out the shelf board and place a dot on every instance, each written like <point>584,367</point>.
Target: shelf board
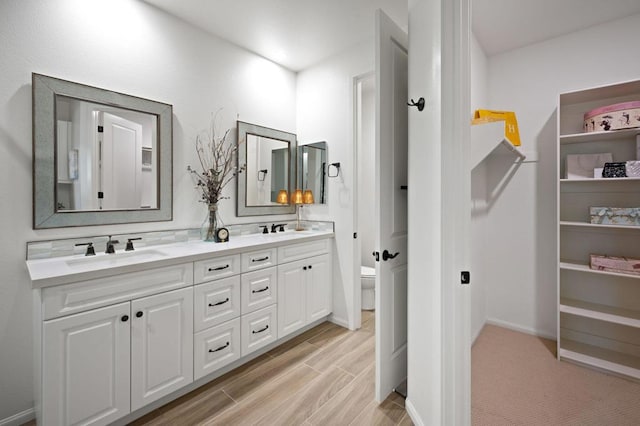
<point>585,268</point>
<point>485,138</point>
<point>600,312</point>
<point>598,225</point>
<point>599,136</point>
<point>599,180</point>
<point>595,356</point>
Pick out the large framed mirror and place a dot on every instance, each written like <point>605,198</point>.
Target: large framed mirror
<point>268,160</point>
<point>312,170</point>
<point>99,157</point>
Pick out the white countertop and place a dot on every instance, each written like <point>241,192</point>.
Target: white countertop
<point>68,269</point>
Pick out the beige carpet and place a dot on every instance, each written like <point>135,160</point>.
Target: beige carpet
<point>517,380</point>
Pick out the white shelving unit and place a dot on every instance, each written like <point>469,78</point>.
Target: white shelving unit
<point>598,311</point>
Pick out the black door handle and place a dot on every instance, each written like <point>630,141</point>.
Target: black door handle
<point>219,303</point>
<point>220,348</point>
<point>266,327</point>
<point>386,255</point>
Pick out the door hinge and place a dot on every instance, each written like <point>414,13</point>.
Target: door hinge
<point>100,129</point>
<point>355,235</point>
<point>465,277</point>
<point>376,255</point>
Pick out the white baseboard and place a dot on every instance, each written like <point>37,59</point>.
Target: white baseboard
<point>339,321</point>
<point>413,414</point>
<point>521,329</point>
<point>20,418</point>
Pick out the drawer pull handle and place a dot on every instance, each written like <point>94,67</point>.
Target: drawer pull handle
<point>219,303</point>
<point>261,259</point>
<point>261,290</point>
<point>219,268</point>
<point>266,327</point>
<point>220,348</point>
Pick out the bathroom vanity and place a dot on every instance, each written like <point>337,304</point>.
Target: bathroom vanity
<point>117,332</point>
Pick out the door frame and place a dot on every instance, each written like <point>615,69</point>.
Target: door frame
<point>357,246</point>
<point>439,389</point>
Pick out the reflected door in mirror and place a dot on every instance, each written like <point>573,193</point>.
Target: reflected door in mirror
<point>312,170</point>
<point>267,169</point>
<point>105,157</point>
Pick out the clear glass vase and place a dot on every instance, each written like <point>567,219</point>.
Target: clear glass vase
<point>210,223</point>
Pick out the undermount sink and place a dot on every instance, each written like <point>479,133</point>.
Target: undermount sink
<point>122,258</point>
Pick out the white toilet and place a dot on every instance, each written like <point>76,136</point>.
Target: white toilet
<point>368,283</point>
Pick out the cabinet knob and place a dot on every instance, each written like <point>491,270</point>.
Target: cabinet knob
<point>310,266</point>
<point>304,268</point>
<point>124,318</point>
<point>139,314</point>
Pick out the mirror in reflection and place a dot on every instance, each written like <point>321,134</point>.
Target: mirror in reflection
<point>105,157</point>
<point>312,166</point>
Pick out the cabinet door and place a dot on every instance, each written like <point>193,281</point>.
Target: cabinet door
<point>216,347</point>
<point>85,367</point>
<point>292,299</point>
<point>259,289</point>
<point>319,287</point>
<point>216,302</point>
<point>161,345</point>
<point>258,329</point>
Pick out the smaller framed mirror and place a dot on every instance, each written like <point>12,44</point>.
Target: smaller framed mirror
<point>268,159</point>
<point>312,170</point>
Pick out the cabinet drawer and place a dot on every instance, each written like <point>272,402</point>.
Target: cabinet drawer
<point>85,295</point>
<point>216,347</point>
<point>216,302</point>
<point>218,267</point>
<point>259,328</point>
<point>293,252</point>
<point>259,289</point>
<point>259,259</point>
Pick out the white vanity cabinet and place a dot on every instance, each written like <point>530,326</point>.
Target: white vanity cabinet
<point>110,343</point>
<point>102,363</point>
<point>304,286</point>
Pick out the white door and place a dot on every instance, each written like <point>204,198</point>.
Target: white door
<point>391,208</point>
<point>86,367</point>
<point>121,164</point>
<point>161,345</point>
<point>319,288</point>
<point>439,213</point>
<point>291,297</point>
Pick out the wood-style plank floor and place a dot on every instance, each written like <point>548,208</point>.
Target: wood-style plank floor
<point>325,376</point>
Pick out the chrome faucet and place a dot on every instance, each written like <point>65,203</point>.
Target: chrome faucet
<point>110,246</point>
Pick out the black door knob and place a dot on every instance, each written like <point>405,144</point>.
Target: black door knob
<point>124,318</point>
<point>139,314</point>
<point>386,255</point>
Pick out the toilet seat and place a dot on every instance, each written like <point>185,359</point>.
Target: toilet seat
<point>367,272</point>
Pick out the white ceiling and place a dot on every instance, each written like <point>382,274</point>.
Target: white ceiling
<point>300,33</point>
<point>293,33</point>
<point>502,25</point>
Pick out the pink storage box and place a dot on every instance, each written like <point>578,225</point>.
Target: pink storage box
<point>623,265</point>
<point>625,115</point>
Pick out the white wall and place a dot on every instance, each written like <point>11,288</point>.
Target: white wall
<point>130,47</point>
<point>325,113</point>
<point>479,237</point>
<point>522,283</point>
